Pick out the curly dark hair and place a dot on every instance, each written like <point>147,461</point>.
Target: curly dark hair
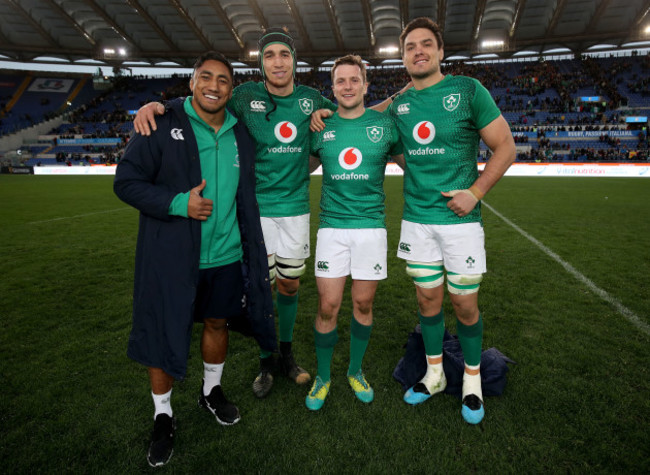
<point>213,55</point>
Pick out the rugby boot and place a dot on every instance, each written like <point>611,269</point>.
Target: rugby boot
<point>264,380</point>
<point>289,368</point>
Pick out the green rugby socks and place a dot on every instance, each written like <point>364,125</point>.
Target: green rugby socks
<point>325,343</point>
<point>433,330</point>
<point>471,341</point>
<point>359,338</point>
<point>287,312</point>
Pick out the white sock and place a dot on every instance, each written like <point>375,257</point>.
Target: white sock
<point>211,376</point>
<point>163,404</point>
<point>435,375</point>
<point>472,383</point>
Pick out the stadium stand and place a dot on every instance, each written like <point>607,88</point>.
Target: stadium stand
<point>562,110</point>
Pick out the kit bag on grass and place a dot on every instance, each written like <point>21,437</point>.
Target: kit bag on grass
<point>412,366</point>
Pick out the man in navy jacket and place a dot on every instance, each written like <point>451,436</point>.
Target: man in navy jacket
<point>200,252</point>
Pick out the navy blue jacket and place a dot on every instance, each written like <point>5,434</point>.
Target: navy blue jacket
<point>151,173</point>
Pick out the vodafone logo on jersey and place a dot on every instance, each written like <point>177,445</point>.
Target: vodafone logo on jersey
<point>350,158</point>
<point>424,132</point>
<point>285,132</point>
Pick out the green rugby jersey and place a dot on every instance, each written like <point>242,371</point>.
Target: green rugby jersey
<point>439,128</point>
<point>354,154</point>
<point>281,144</point>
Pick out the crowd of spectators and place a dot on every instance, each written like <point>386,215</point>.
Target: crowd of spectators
<point>540,97</point>
<point>108,156</point>
<point>613,149</point>
<point>582,155</point>
<point>542,129</point>
<point>88,130</point>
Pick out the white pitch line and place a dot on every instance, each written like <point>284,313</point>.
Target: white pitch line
<point>620,308</point>
<point>79,215</point>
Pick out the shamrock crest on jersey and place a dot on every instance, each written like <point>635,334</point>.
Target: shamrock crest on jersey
<point>306,106</point>
<point>451,101</point>
<point>375,133</point>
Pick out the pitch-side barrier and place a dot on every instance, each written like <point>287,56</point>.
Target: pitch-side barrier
<point>517,169</point>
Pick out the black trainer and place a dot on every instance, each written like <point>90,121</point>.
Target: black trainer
<point>291,370</point>
<point>161,447</point>
<point>264,380</point>
<point>226,412</point>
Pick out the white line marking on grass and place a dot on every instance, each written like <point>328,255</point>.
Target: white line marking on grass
<point>622,309</point>
<point>79,215</point>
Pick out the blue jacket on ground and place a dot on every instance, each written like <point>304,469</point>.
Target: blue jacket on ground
<point>151,173</point>
<point>412,367</point>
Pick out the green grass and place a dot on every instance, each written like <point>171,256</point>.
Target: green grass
<point>577,401</point>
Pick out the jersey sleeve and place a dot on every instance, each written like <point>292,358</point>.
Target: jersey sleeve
<point>237,99</point>
<point>484,109</point>
<point>314,144</point>
<point>325,103</point>
<point>396,147</point>
<point>390,110</point>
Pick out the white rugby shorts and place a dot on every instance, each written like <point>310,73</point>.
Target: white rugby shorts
<point>461,247</point>
<point>287,236</point>
<point>360,253</point>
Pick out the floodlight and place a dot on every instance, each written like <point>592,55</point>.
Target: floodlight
<point>492,44</point>
<point>389,50</point>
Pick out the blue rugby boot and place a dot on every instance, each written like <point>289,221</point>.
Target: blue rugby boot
<point>420,392</point>
<point>472,411</point>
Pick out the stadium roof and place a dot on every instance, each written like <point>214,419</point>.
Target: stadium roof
<point>158,32</point>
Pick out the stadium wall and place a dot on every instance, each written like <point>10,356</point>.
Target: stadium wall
<point>517,169</point>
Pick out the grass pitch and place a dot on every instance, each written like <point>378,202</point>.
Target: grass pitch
<point>577,400</point>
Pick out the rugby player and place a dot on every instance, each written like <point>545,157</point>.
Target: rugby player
<point>199,236</point>
<point>351,240</point>
<point>441,121</point>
